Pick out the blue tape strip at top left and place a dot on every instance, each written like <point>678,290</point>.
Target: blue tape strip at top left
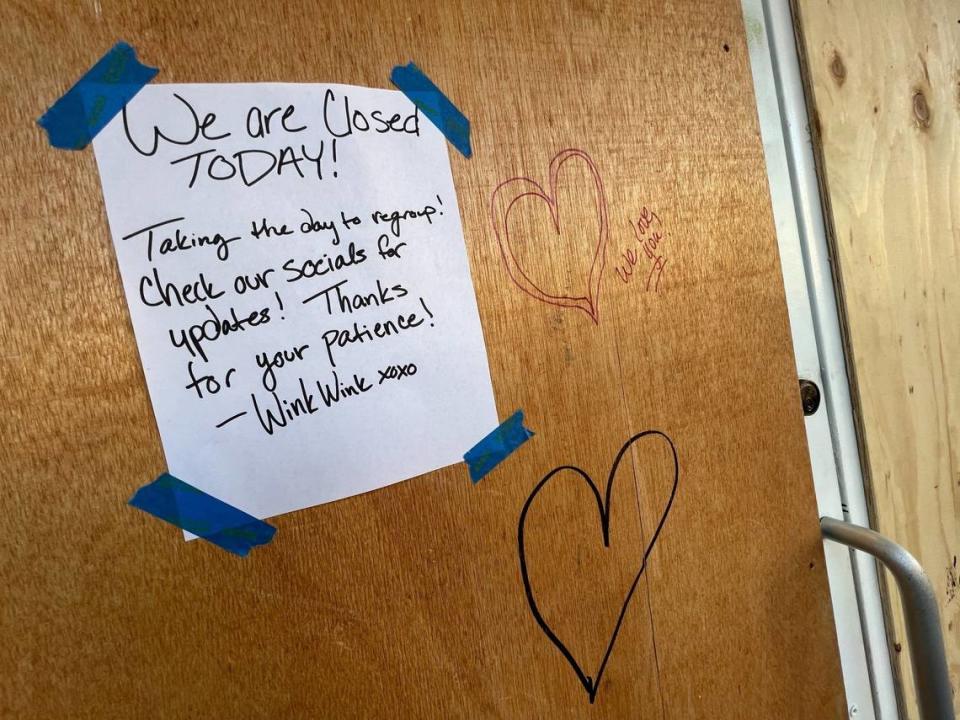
<point>190,509</point>
<point>75,119</point>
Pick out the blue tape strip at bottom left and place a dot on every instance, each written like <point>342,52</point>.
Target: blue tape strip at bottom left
<point>191,509</point>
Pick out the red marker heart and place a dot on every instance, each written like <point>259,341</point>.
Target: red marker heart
<point>591,682</point>
<point>505,198</point>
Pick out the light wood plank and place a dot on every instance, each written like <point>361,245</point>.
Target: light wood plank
<point>885,85</point>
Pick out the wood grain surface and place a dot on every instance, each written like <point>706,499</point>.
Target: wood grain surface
<point>408,602</point>
<point>885,85</point>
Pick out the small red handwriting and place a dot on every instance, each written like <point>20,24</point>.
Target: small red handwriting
<point>649,233</point>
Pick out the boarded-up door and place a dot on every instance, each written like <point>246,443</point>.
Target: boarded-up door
<point>410,601</point>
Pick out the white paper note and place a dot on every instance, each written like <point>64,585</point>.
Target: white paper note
<point>295,270</point>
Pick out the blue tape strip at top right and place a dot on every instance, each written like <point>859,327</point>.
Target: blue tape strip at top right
<point>495,447</point>
<point>86,108</point>
<point>193,510</point>
<point>431,101</point>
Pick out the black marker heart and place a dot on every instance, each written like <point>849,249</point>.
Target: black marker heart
<point>590,683</point>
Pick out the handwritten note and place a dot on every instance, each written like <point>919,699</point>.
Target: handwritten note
<point>296,274</point>
<point>649,235</point>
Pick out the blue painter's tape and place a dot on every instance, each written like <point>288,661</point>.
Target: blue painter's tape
<point>494,448</point>
<point>183,505</point>
<point>434,105</point>
<point>74,120</point>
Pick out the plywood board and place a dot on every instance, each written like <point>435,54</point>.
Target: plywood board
<point>410,602</point>
<point>886,116</point>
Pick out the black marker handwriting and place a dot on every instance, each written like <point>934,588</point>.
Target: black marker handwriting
<point>208,382</point>
<point>344,337</point>
<point>193,337</point>
<point>396,372</point>
<point>326,263</point>
<point>304,404</point>
<point>385,250</point>
<point>310,226</point>
<point>199,128</point>
<point>230,419</point>
<point>155,293</point>
<point>258,123</point>
<point>354,120</point>
<point>188,126</point>
<point>270,363</point>
<point>252,165</point>
<point>181,240</point>
<point>393,218</point>
<point>338,300</point>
